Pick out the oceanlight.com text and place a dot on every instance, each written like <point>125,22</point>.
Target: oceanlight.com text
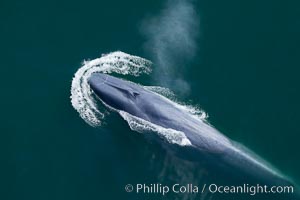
<point>158,188</point>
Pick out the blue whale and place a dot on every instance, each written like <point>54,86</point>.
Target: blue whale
<point>207,143</point>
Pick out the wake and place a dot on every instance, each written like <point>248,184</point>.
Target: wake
<point>81,95</point>
<point>85,103</point>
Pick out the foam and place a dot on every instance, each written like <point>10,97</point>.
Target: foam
<point>143,126</point>
<point>85,102</point>
<point>118,62</point>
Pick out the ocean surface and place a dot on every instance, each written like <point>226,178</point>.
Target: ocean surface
<point>236,61</point>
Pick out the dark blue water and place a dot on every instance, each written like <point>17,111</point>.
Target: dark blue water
<point>244,74</point>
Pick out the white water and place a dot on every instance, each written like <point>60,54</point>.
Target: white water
<point>142,126</point>
<point>81,95</point>
<point>118,62</point>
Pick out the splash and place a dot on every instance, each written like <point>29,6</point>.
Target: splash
<point>194,110</point>
<point>85,102</point>
<point>116,62</point>
<point>142,126</point>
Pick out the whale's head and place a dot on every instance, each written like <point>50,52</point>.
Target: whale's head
<point>115,92</point>
<point>131,98</point>
<point>126,96</point>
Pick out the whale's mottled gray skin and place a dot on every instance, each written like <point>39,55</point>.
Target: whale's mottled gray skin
<point>206,140</point>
